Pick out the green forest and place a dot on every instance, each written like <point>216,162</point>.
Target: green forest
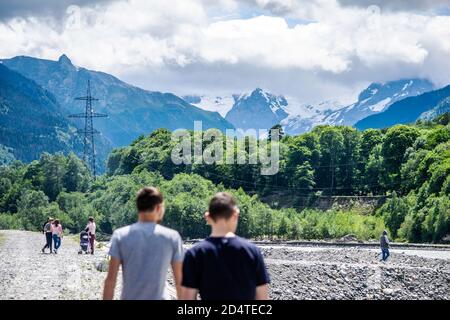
<point>408,164</point>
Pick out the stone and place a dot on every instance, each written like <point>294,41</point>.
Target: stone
<point>388,291</point>
<point>102,266</point>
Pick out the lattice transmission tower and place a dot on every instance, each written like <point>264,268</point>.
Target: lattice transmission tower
<point>89,131</point>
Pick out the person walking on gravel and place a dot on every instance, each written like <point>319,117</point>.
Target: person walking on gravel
<point>224,266</point>
<point>384,244</point>
<point>56,234</point>
<point>90,229</point>
<point>145,250</point>
<point>46,229</point>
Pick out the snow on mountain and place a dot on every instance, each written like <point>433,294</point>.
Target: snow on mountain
<point>261,109</point>
<point>212,103</point>
<point>257,110</point>
<point>424,106</point>
<point>441,108</point>
<point>303,117</point>
<point>377,98</point>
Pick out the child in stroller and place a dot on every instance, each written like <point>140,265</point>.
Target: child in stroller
<point>84,242</point>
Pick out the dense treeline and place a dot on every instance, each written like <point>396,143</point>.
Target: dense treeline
<point>411,164</point>
<point>61,187</point>
<point>335,160</point>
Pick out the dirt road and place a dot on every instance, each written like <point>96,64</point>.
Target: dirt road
<point>27,273</point>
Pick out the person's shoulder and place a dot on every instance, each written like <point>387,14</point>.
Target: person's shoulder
<point>168,232</point>
<point>122,231</point>
<point>202,245</point>
<point>246,243</point>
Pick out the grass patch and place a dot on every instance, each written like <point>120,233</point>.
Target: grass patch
<point>2,238</point>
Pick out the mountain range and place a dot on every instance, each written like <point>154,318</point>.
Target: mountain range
<point>37,95</point>
<point>377,98</point>
<point>132,111</point>
<point>262,109</point>
<point>405,111</point>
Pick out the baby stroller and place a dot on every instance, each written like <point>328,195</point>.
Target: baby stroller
<point>84,242</point>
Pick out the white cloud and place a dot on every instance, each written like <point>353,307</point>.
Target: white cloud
<point>341,47</point>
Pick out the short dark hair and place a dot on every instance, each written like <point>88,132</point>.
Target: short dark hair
<point>222,205</point>
<point>148,198</point>
<point>91,219</point>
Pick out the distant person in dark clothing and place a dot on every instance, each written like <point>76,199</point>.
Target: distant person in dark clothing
<point>224,266</point>
<point>47,230</point>
<point>384,244</point>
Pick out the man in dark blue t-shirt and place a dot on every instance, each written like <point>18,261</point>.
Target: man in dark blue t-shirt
<point>224,266</point>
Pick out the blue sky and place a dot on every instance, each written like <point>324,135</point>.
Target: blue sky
<point>312,50</point>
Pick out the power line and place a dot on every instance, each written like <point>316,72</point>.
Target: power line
<point>280,188</point>
<point>89,131</point>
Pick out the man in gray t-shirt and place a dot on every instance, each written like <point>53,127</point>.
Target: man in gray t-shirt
<point>145,250</point>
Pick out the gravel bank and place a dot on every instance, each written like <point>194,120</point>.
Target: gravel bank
<point>354,273</point>
<point>296,272</point>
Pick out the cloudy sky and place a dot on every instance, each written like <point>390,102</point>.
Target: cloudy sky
<point>309,49</point>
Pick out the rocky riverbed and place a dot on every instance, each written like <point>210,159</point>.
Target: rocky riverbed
<point>296,272</point>
<point>355,273</point>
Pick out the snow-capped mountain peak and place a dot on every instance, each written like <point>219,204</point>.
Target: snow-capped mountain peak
<point>376,98</point>
<point>260,109</point>
<point>257,110</point>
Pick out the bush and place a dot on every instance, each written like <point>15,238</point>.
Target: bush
<point>394,212</point>
<point>315,224</point>
<point>10,222</point>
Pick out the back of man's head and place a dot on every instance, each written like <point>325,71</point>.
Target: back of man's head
<point>222,206</point>
<point>148,198</point>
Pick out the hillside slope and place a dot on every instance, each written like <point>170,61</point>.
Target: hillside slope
<point>30,119</point>
<point>405,111</point>
<point>132,111</point>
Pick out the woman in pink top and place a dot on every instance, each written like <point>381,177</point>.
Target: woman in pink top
<point>56,234</point>
<point>90,228</point>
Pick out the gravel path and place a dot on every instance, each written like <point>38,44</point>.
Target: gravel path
<point>296,273</point>
<point>28,274</point>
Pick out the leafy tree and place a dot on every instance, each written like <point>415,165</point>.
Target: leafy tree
<point>32,209</point>
<point>53,170</point>
<point>394,212</point>
<point>303,179</point>
<point>331,145</point>
<point>396,141</point>
<point>76,176</point>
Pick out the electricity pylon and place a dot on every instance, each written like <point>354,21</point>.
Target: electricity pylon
<point>89,131</point>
